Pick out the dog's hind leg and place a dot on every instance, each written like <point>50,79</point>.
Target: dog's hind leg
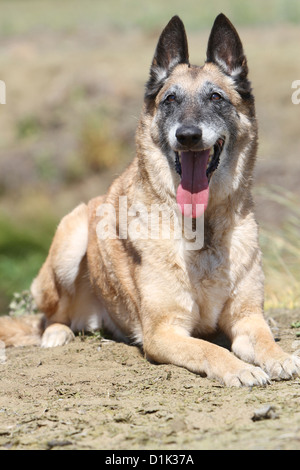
<point>55,287</point>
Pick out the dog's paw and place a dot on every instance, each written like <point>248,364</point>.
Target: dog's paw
<point>56,335</point>
<point>284,368</point>
<point>247,376</point>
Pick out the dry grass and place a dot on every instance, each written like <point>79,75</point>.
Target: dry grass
<point>281,249</point>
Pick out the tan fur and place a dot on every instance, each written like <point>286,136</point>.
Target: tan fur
<point>154,292</point>
<point>24,331</point>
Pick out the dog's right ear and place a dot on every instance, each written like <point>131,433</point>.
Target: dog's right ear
<point>171,50</point>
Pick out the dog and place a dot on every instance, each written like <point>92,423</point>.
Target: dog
<point>196,149</point>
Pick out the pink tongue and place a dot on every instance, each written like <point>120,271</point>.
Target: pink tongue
<point>193,191</point>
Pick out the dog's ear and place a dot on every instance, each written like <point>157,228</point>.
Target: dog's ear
<point>171,50</point>
<point>225,49</point>
<point>224,46</point>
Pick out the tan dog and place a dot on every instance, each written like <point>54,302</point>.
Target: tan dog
<point>127,261</point>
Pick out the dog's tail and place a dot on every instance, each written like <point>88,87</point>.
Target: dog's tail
<point>21,331</point>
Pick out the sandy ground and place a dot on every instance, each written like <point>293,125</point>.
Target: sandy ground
<point>95,394</point>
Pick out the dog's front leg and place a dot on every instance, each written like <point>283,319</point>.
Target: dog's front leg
<point>56,334</point>
<point>253,342</point>
<point>173,345</point>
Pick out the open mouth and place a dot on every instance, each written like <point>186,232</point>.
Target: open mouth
<point>196,170</point>
<point>213,160</point>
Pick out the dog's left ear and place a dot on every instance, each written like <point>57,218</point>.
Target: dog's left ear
<point>171,50</point>
<point>225,49</point>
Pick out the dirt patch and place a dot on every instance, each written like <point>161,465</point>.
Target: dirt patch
<point>105,395</point>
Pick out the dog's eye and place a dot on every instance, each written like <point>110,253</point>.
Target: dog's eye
<point>216,97</point>
<point>171,98</point>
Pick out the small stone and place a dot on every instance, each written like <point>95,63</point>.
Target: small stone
<point>266,412</point>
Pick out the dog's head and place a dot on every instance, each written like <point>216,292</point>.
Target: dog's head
<point>201,116</point>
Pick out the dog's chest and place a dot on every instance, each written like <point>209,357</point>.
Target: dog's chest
<point>211,285</point>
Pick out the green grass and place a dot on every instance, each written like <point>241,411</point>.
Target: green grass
<point>25,16</point>
<point>23,247</point>
<point>27,127</point>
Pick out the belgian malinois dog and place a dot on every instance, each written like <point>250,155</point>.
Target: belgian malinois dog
<point>196,148</point>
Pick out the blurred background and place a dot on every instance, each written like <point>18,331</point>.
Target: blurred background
<point>75,73</point>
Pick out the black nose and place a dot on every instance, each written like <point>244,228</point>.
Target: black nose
<point>188,136</point>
